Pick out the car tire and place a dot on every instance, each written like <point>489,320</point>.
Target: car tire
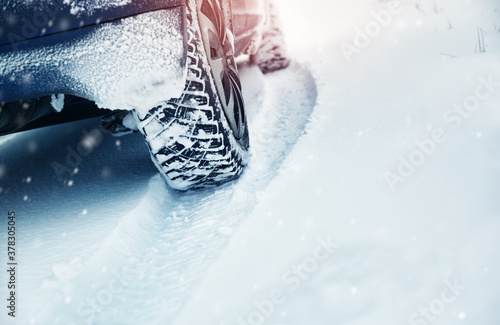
<point>201,138</point>
<point>272,54</point>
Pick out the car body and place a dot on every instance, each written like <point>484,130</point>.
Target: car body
<point>31,31</point>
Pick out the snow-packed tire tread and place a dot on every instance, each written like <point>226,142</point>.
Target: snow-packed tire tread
<point>188,137</point>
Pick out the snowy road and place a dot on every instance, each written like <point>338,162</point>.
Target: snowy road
<point>144,240</point>
<point>371,196</point>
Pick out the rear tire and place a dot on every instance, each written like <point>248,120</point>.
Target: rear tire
<point>191,139</point>
<point>272,54</point>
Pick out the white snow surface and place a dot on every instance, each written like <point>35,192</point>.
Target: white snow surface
<point>313,232</point>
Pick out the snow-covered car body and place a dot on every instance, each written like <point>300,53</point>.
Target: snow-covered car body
<point>90,49</point>
<point>119,54</point>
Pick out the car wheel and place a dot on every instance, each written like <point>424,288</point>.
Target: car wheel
<point>201,138</point>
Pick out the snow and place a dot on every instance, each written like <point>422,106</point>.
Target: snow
<point>129,122</point>
<point>57,102</point>
<point>313,232</point>
<point>78,7</point>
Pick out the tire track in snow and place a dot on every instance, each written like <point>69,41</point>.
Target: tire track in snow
<point>166,244</point>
